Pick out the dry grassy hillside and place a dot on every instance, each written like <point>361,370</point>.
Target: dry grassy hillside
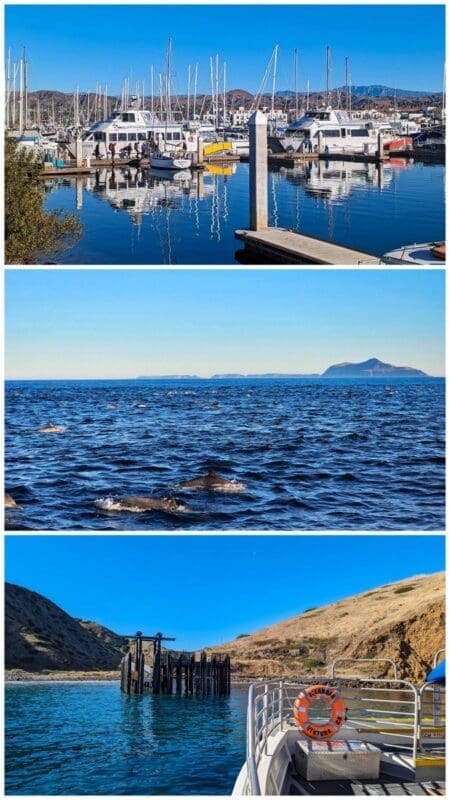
<point>39,635</point>
<point>403,621</point>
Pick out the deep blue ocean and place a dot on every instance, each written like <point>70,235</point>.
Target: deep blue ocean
<point>133,216</point>
<point>311,454</point>
<point>89,739</point>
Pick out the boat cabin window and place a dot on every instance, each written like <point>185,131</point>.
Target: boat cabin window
<point>332,133</point>
<point>113,137</point>
<point>343,132</point>
<point>122,137</point>
<point>359,132</point>
<point>169,136</point>
<point>176,136</point>
<point>128,117</point>
<point>99,136</point>
<point>131,137</point>
<point>142,137</point>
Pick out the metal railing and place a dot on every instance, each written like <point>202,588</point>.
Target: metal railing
<point>436,658</point>
<point>374,707</point>
<point>432,723</point>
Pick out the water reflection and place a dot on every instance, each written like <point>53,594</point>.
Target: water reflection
<point>144,216</point>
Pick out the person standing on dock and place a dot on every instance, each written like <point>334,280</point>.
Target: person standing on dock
<point>112,150</point>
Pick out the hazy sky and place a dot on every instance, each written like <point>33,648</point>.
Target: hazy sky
<point>91,577</point>
<point>125,323</point>
<point>71,46</point>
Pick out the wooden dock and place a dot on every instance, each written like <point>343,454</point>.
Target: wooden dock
<point>172,672</point>
<point>284,246</point>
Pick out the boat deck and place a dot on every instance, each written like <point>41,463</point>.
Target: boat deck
<point>300,786</point>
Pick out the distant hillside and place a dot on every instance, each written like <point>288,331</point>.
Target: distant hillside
<point>372,368</point>
<point>40,635</point>
<point>403,621</point>
<point>376,90</point>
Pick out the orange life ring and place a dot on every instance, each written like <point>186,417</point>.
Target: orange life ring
<point>337,711</point>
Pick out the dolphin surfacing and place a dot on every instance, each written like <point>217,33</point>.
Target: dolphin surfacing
<point>138,505</point>
<point>51,428</point>
<point>212,482</point>
<point>10,502</point>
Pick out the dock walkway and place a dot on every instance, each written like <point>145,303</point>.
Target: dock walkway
<point>290,247</point>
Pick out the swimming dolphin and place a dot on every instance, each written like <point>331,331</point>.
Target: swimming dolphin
<point>10,502</point>
<point>51,428</point>
<point>139,504</point>
<point>213,483</point>
<point>140,405</point>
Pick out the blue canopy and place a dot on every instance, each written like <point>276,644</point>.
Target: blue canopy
<point>437,675</point>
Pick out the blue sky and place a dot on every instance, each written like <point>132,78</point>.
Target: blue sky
<point>125,323</point>
<point>152,583</point>
<point>70,46</point>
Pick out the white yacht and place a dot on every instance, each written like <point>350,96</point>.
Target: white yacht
<point>134,129</point>
<point>390,737</point>
<point>339,133</point>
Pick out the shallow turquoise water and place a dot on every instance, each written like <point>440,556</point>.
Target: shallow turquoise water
<point>133,216</point>
<point>88,738</point>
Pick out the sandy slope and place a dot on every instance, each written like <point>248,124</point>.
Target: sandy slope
<point>403,621</point>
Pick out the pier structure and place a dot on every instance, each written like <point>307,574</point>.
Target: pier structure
<point>282,245</point>
<point>172,672</point>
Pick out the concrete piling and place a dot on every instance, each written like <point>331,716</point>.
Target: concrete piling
<point>257,125</point>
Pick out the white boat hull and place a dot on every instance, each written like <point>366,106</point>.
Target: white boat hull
<point>169,162</point>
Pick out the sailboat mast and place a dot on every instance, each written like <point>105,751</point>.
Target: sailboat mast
<point>295,81</point>
<point>151,90</point>
<point>328,77</point>
<point>224,94</point>
<point>216,91</point>
<point>8,88</point>
<point>21,97</point>
<point>25,80</point>
<point>195,89</point>
<point>274,77</point>
<point>346,83</point>
<point>188,93</point>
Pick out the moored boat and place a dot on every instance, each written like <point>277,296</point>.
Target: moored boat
<point>425,253</point>
<point>362,736</point>
<point>171,161</point>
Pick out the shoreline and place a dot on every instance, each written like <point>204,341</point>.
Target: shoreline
<point>18,676</point>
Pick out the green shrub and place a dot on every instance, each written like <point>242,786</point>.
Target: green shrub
<point>242,635</point>
<point>403,589</point>
<point>311,663</point>
<point>30,232</point>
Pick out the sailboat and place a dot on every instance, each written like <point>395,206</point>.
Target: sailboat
<point>164,159</point>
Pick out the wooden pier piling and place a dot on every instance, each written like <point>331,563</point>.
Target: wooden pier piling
<point>173,672</point>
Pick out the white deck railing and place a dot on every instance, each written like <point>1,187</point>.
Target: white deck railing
<point>375,708</point>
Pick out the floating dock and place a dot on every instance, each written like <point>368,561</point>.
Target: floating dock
<point>284,246</point>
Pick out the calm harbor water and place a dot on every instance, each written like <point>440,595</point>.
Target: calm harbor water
<point>312,454</point>
<point>89,739</point>
<point>133,216</point>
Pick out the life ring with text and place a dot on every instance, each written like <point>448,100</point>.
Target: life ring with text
<point>302,708</point>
